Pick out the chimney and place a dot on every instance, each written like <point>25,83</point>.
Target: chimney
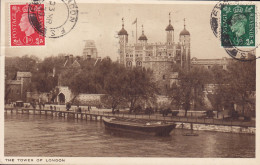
<point>71,58</point>
<point>66,58</point>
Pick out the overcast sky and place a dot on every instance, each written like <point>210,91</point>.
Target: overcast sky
<point>101,22</point>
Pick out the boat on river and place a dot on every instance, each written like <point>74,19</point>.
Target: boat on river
<point>139,126</point>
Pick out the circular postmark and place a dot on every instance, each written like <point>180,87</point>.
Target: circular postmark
<point>53,18</point>
<point>234,23</point>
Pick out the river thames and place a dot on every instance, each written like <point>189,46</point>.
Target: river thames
<point>35,135</point>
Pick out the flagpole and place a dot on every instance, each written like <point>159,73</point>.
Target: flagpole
<point>136,31</point>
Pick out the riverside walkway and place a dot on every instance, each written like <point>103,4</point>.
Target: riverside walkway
<point>98,115</point>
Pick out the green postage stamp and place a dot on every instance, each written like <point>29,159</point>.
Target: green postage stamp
<point>238,25</point>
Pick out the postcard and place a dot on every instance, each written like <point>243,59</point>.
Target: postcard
<point>129,82</point>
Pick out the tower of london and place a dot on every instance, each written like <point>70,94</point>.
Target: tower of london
<point>159,57</point>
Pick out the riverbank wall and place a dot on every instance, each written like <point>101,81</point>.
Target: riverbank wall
<point>217,128</point>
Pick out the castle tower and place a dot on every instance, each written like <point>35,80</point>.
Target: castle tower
<point>90,50</point>
<point>185,36</point>
<point>25,78</point>
<point>143,39</point>
<point>185,47</point>
<point>123,40</point>
<point>169,32</point>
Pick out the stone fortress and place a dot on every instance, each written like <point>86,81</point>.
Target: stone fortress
<point>161,57</point>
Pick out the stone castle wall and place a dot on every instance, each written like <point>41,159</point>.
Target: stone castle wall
<point>161,73</point>
<point>89,99</point>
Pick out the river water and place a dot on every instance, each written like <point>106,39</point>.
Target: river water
<point>35,135</point>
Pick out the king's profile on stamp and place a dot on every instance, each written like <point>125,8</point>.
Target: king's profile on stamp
<point>22,29</point>
<point>238,25</point>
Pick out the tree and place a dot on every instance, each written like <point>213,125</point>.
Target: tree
<point>219,97</point>
<point>115,84</point>
<point>139,86</point>
<point>243,83</point>
<point>45,78</point>
<point>234,86</point>
<point>23,64</point>
<point>131,85</point>
<point>189,89</point>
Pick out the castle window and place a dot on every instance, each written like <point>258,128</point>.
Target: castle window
<point>129,63</point>
<point>160,53</point>
<point>163,77</point>
<point>136,55</point>
<point>139,63</point>
<point>170,54</point>
<point>131,55</point>
<point>166,86</point>
<point>208,67</point>
<point>127,55</point>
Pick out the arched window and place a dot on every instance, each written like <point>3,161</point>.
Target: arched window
<point>129,63</point>
<point>136,55</point>
<point>163,77</point>
<point>139,63</point>
<point>127,55</point>
<point>170,54</point>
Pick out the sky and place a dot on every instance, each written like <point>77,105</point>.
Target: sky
<point>101,22</point>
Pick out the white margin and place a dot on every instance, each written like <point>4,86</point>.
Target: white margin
<point>123,160</point>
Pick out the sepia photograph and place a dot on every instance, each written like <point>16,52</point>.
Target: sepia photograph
<point>89,81</point>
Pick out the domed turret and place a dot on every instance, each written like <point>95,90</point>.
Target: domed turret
<point>184,31</point>
<point>143,37</point>
<point>169,32</point>
<point>169,27</point>
<point>122,31</point>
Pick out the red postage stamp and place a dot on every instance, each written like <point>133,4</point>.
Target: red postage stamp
<point>27,25</point>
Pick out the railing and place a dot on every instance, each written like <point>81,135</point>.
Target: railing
<point>154,117</point>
